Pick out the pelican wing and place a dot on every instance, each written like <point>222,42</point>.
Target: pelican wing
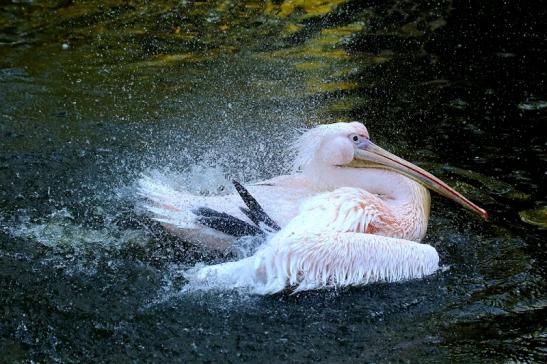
<point>174,208</point>
<point>320,261</point>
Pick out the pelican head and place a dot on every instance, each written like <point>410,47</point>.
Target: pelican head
<point>349,145</point>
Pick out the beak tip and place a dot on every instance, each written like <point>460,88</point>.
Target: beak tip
<point>485,215</point>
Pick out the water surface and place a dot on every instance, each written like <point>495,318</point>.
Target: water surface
<point>93,94</point>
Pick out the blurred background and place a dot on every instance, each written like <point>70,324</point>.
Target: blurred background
<point>93,94</point>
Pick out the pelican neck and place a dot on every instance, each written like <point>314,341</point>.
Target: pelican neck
<point>392,187</point>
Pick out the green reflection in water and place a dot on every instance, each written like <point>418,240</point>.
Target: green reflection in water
<point>536,216</point>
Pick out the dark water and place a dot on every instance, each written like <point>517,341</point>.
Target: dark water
<point>92,94</point>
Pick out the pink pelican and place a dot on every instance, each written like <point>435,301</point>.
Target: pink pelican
<point>351,214</point>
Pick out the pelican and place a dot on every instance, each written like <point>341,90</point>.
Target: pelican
<point>351,214</point>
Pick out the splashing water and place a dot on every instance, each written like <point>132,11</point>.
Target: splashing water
<point>199,93</point>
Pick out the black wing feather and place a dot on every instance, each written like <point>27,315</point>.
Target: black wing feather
<point>254,211</point>
<point>225,223</point>
<point>231,225</point>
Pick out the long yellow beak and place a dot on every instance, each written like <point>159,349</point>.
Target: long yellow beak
<point>370,155</point>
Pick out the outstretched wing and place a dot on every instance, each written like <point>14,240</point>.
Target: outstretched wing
<point>323,260</point>
<point>344,259</point>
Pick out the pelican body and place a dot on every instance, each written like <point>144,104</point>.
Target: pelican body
<point>351,214</point>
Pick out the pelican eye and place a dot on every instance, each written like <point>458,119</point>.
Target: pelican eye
<point>355,138</point>
<point>359,141</point>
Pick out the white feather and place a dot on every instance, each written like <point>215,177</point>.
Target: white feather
<point>316,250</point>
<point>328,260</point>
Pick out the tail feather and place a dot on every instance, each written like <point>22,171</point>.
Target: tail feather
<point>192,217</point>
<point>166,204</point>
<point>155,191</point>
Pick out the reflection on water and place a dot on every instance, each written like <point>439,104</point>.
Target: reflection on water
<point>93,94</point>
